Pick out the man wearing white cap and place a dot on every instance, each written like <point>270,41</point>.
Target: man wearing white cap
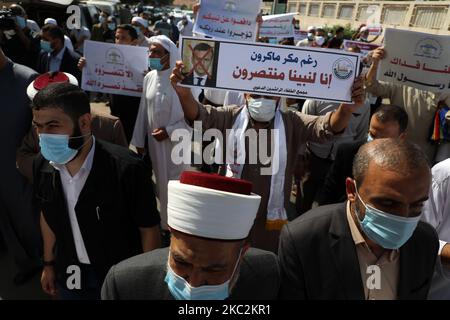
<point>309,39</point>
<point>67,41</point>
<point>209,258</point>
<point>160,113</point>
<point>141,27</point>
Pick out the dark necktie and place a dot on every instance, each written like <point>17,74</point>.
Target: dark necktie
<point>199,81</point>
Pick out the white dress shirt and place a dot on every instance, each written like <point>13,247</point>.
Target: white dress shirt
<point>436,212</point>
<point>72,187</point>
<point>197,91</point>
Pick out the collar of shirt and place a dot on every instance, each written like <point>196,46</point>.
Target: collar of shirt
<point>196,76</point>
<point>86,166</point>
<point>359,239</point>
<point>59,56</point>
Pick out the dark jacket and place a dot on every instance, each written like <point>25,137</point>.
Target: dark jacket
<point>115,201</point>
<point>142,277</point>
<point>318,258</point>
<point>333,189</point>
<point>69,63</point>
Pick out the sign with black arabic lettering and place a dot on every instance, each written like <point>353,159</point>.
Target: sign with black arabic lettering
<point>114,68</point>
<point>227,19</point>
<point>267,69</point>
<point>277,26</point>
<point>416,59</point>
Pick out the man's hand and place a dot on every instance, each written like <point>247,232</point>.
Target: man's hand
<point>358,96</point>
<point>377,55</point>
<point>81,63</point>
<point>160,134</point>
<point>195,8</point>
<point>176,77</point>
<point>48,280</point>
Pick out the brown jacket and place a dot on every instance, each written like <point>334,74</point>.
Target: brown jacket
<point>104,126</point>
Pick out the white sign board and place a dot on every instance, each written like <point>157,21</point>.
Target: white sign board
<point>277,26</point>
<point>113,68</point>
<point>269,69</point>
<point>415,59</point>
<point>227,19</point>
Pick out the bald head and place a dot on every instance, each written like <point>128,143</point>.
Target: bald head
<point>395,155</point>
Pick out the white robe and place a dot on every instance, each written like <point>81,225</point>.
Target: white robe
<point>160,107</point>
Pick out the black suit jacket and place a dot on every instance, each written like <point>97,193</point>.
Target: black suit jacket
<point>318,258</point>
<point>117,199</point>
<point>189,80</point>
<point>69,63</point>
<point>333,189</point>
<point>142,277</point>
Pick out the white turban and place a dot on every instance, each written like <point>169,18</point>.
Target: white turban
<point>50,21</point>
<point>167,44</point>
<point>202,208</point>
<point>141,21</point>
<point>363,29</point>
<point>311,28</point>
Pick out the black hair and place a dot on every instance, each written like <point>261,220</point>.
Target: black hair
<point>54,31</point>
<point>387,113</point>
<point>202,46</point>
<point>131,30</point>
<point>70,98</point>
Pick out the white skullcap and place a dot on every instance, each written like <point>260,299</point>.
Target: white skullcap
<point>141,21</point>
<point>364,29</point>
<point>210,212</point>
<point>167,44</point>
<point>50,21</point>
<point>310,28</point>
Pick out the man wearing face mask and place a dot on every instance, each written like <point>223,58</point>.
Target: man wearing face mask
<point>96,199</point>
<point>337,40</point>
<point>100,28</point>
<point>55,56</point>
<point>209,256</point>
<point>160,113</point>
<point>185,26</point>
<point>319,39</point>
<point>17,43</point>
<point>369,247</point>
<point>141,27</point>
<point>295,129</point>
<point>310,38</point>
<point>67,41</point>
<point>387,122</point>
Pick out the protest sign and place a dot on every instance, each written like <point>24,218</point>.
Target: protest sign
<point>416,59</point>
<point>277,26</point>
<point>363,46</point>
<point>228,19</point>
<point>113,68</point>
<point>300,35</point>
<point>269,69</point>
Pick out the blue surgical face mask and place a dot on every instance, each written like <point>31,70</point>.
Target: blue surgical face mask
<point>138,30</point>
<point>112,26</point>
<point>46,46</point>
<point>369,137</point>
<point>55,148</point>
<point>182,290</point>
<point>21,21</point>
<point>155,64</point>
<point>101,19</point>
<point>387,230</point>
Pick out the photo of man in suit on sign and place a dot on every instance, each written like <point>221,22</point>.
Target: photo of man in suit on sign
<point>200,63</point>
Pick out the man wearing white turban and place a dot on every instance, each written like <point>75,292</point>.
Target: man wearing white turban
<point>141,27</point>
<point>160,113</point>
<point>209,258</point>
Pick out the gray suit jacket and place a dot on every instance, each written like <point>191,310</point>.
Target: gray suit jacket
<point>142,277</point>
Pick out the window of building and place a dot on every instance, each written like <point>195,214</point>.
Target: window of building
<point>292,7</point>
<point>429,17</point>
<point>329,10</point>
<point>314,10</point>
<point>394,15</point>
<point>346,11</point>
<point>302,8</point>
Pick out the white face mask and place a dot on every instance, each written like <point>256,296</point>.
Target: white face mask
<point>320,40</point>
<point>262,109</point>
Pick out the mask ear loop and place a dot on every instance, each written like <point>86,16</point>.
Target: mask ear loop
<point>359,197</point>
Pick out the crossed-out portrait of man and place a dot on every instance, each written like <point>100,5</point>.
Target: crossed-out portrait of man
<point>202,65</point>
